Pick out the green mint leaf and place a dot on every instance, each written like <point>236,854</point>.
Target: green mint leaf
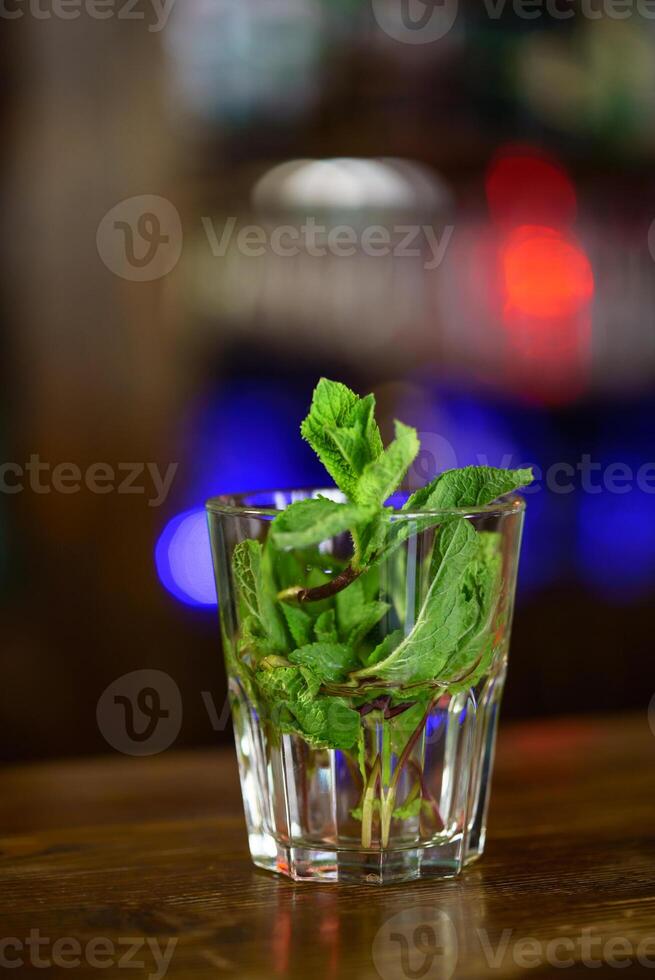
<point>370,615</point>
<point>348,604</point>
<point>285,568</point>
<point>309,522</point>
<point>363,418</point>
<point>312,685</point>
<point>425,650</point>
<point>359,442</point>
<point>325,627</point>
<point>483,581</point>
<point>295,707</point>
<point>327,722</point>
<point>356,615</point>
<point>299,623</point>
<point>290,652</point>
<point>384,475</point>
<point>252,639</point>
<point>480,660</point>
<point>472,486</point>
<point>281,683</point>
<point>407,810</point>
<point>382,650</point>
<point>403,725</point>
<point>329,661</point>
<point>341,430</point>
<point>372,537</point>
<point>410,808</point>
<point>247,569</point>
<point>257,608</point>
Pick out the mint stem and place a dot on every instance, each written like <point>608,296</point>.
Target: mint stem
<point>367,805</point>
<point>380,774</point>
<point>388,799</point>
<point>337,584</point>
<point>427,795</point>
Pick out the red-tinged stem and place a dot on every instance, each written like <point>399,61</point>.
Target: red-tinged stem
<point>388,799</point>
<point>427,795</point>
<point>337,584</point>
<point>409,748</point>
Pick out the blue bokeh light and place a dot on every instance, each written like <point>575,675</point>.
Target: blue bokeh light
<point>183,559</point>
<point>469,427</point>
<point>616,541</point>
<point>246,437</point>
<point>234,440</point>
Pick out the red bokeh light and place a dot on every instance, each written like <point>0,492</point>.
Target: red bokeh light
<point>540,283</point>
<point>524,187</point>
<point>548,286</point>
<point>545,274</point>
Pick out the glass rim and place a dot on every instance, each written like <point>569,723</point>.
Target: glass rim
<point>235,505</point>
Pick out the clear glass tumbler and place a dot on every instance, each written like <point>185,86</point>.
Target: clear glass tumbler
<point>367,779</point>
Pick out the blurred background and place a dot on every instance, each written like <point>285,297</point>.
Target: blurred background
<point>207,204</point>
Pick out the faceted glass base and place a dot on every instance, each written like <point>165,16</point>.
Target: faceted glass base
<point>304,807</point>
<point>359,867</point>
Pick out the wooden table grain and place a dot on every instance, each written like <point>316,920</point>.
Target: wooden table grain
<point>115,850</point>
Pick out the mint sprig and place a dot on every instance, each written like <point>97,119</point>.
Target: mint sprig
<point>309,522</point>
<point>322,644</point>
<point>471,486</point>
<point>446,616</point>
<point>342,431</point>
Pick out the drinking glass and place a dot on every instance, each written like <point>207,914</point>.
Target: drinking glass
<point>405,796</point>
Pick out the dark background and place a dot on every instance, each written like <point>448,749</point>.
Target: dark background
<point>533,341</point>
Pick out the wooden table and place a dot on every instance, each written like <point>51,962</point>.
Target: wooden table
<point>117,849</point>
